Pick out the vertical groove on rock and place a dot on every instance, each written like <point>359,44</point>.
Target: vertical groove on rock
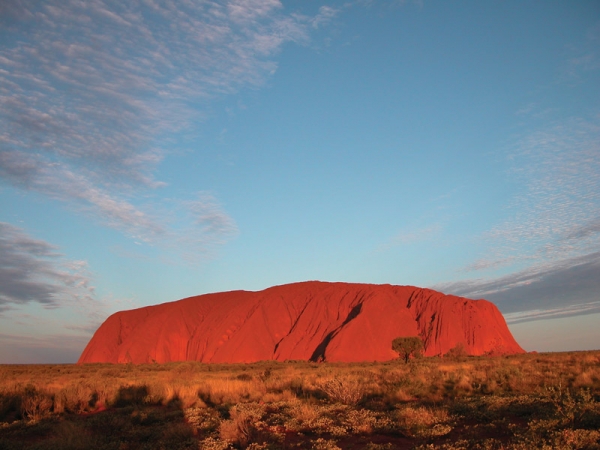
<point>319,353</point>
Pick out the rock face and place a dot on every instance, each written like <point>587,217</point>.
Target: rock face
<point>302,321</point>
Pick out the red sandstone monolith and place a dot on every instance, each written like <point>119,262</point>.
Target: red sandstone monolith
<point>313,320</point>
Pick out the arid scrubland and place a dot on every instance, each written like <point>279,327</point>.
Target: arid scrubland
<point>545,401</point>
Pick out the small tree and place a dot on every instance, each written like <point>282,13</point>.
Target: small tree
<point>407,347</point>
<point>457,352</point>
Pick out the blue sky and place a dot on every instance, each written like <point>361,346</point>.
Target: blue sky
<point>153,150</point>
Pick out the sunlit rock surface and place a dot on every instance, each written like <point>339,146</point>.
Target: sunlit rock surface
<point>302,321</point>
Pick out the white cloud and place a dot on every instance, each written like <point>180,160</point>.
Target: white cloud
<point>89,92</point>
<point>249,10</point>
<point>326,15</point>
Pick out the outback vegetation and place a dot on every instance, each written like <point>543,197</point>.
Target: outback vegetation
<point>408,347</point>
<point>530,401</point>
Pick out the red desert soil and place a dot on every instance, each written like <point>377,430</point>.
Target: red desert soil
<point>301,321</point>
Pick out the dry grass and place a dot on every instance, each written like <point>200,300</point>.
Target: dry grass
<point>346,391</point>
<point>239,429</point>
<point>523,401</point>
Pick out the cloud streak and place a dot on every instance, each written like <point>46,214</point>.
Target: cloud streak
<point>205,226</point>
<point>567,287</point>
<point>91,91</point>
<point>550,239</point>
<point>62,183</point>
<point>409,237</point>
<point>557,215</point>
<point>38,288</point>
<point>555,313</point>
<point>32,270</point>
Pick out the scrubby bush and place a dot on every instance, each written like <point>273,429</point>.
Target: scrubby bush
<point>345,391</point>
<point>424,421</point>
<point>459,351</point>
<point>240,429</point>
<point>35,405</point>
<point>408,347</point>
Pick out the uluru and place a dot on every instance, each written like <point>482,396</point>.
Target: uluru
<point>316,321</point>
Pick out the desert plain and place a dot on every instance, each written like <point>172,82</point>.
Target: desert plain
<point>521,401</point>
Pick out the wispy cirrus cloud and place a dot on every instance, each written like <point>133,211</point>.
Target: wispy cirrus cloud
<point>203,225</point>
<point>543,259</point>
<point>48,304</point>
<point>564,287</point>
<point>32,270</point>
<point>408,236</point>
<point>550,241</point>
<point>65,183</point>
<point>584,59</point>
<point>552,313</point>
<point>208,214</point>
<point>556,214</point>
<point>91,91</point>
<point>326,15</point>
<point>37,282</point>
